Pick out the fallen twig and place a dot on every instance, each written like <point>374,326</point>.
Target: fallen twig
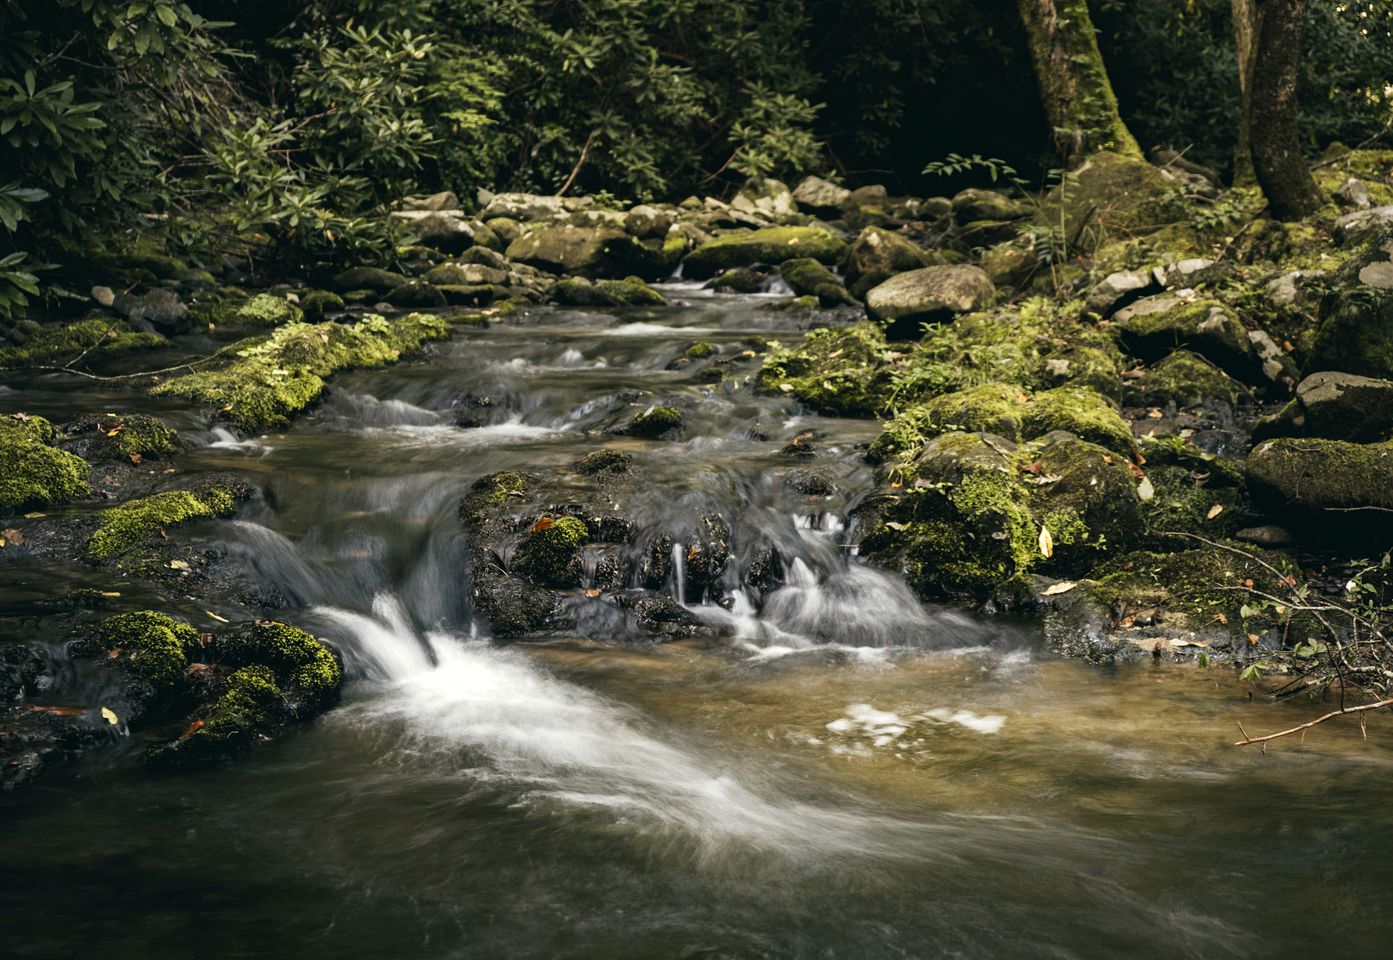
<point>1309,724</point>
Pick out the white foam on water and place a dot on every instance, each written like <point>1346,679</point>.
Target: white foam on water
<point>224,439</point>
<point>884,728</point>
<point>490,435</point>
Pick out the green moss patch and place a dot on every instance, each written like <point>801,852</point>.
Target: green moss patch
<point>91,337</point>
<point>770,245</point>
<point>278,376</point>
<point>32,473</point>
<point>124,526</point>
<point>268,310</point>
<point>551,552</point>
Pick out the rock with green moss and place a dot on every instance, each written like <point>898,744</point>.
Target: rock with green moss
<point>375,279</point>
<point>656,422</point>
<point>1338,489</point>
<point>1355,330</point>
<point>630,292</point>
<point>319,304</point>
<point>567,248</point>
<point>841,371</point>
<point>807,277</point>
<point>32,472</point>
<point>975,203</point>
<point>276,377</point>
<point>1335,406</point>
<point>973,512</point>
<point>599,462</point>
<point>89,338</point>
<point>118,437</point>
<point>739,280</point>
<point>931,294</point>
<point>492,491</point>
<point>878,254</point>
<point>1185,379</point>
<point>550,554</point>
<point>152,649</point>
<point>1007,411</point>
<point>1111,195</point>
<point>415,294</point>
<point>1080,411</point>
<point>267,675</point>
<point>122,527</point>
<point>700,350</point>
<point>1189,501</point>
<point>1010,263</point>
<point>268,310</point>
<point>1155,327</point>
<point>768,246</point>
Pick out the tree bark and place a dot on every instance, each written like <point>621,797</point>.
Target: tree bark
<point>1074,84</point>
<point>1275,129</point>
<point>1245,33</point>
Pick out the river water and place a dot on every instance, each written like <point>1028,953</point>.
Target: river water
<point>844,774</point>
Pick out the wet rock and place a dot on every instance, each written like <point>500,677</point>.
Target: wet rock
<point>706,557</point>
<point>34,739</point>
<point>32,472</point>
<point>22,671</point>
<point>810,483</point>
<point>739,280</point>
<point>160,309</point>
<point>907,300</point>
<point>766,246</point>
<point>604,461</point>
<point>566,248</point>
<point>660,615</point>
<point>466,274</point>
<point>803,446</point>
<point>578,292</point>
<point>657,422</point>
<point>120,438</point>
<point>1335,406</point>
<point>550,554</point>
<point>807,277</point>
<point>877,255</point>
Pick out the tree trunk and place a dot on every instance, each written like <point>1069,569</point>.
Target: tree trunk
<point>1275,130</point>
<point>1245,33</point>
<point>1074,84</point>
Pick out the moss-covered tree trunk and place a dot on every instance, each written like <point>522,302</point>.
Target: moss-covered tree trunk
<point>1275,129</point>
<point>1074,84</point>
<point>1245,35</point>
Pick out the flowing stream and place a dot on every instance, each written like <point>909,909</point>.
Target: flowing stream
<point>845,773</point>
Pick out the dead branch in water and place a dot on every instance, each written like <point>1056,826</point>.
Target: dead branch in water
<point>1302,728</point>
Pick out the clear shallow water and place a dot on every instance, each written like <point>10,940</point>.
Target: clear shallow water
<point>844,774</point>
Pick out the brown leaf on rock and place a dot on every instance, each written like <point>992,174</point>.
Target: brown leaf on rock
<point>543,524</point>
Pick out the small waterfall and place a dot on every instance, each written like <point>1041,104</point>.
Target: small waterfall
<point>679,573</point>
<point>384,646</point>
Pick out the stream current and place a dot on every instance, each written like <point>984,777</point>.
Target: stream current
<point>845,774</point>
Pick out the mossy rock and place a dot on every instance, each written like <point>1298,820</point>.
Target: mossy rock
<point>604,461</point>
<point>1334,406</point>
<point>268,310</point>
<point>415,294</point>
<point>1006,411</point>
<point>630,292</point>
<point>739,280</point>
<point>136,436</point>
<point>493,491</point>
<point>280,375</point>
<point>1185,379</point>
<point>700,350</point>
<point>1189,501</point>
<point>122,527</point>
<point>976,512</point>
<point>1155,327</point>
<point>550,554</point>
<point>90,337</point>
<point>1339,490</point>
<point>1079,411</point>
<point>153,648</point>
<point>1111,195</point>
<point>656,422</point>
<point>840,371</point>
<point>318,304</point>
<point>309,673</point>
<point>1355,331</point>
<point>807,277</point>
<point>376,279</point>
<point>32,472</point>
<point>770,245</point>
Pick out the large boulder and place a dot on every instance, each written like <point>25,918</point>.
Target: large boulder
<point>809,278</point>
<point>1337,488</point>
<point>765,199</point>
<point>1336,406</point>
<point>974,204</point>
<point>821,197</point>
<point>1156,326</point>
<point>929,294</point>
<point>525,207</point>
<point>1111,195</point>
<point>771,245</point>
<point>1355,333</point>
<point>877,255</point>
<point>566,248</point>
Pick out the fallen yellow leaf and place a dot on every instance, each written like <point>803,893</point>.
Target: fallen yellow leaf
<point>109,716</point>
<point>1046,543</point>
